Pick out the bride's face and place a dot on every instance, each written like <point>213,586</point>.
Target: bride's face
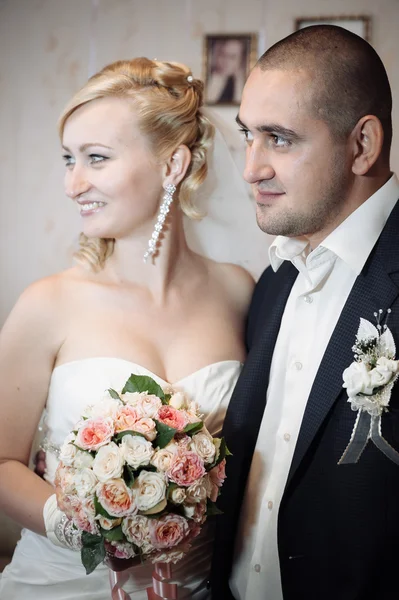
<point>111,172</point>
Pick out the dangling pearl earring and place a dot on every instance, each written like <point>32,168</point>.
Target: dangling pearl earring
<point>163,211</point>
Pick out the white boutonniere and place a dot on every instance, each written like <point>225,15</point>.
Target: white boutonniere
<point>369,381</point>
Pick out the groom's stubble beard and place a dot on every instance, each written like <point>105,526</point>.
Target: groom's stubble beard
<point>314,217</point>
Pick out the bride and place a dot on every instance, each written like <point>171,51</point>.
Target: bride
<point>135,144</point>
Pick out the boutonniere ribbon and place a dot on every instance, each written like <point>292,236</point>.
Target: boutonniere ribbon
<point>369,381</point>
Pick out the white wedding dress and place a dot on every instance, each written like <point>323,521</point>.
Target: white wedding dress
<point>41,571</point>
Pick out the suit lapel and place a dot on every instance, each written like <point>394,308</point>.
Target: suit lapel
<point>373,289</point>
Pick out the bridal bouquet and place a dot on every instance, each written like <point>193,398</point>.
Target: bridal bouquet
<point>139,474</point>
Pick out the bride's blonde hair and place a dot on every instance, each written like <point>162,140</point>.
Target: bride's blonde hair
<point>167,100</point>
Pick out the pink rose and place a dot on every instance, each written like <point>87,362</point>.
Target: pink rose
<point>119,549</point>
<point>69,504</point>
<point>146,426</point>
<point>186,468</point>
<point>125,418</point>
<point>65,479</point>
<point>168,531</point>
<point>173,417</point>
<point>116,498</point>
<point>95,433</point>
<point>85,518</point>
<point>218,473</point>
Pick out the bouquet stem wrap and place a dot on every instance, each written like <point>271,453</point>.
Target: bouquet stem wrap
<point>161,587</point>
<point>117,580</point>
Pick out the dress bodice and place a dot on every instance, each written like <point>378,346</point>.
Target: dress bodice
<point>76,384</point>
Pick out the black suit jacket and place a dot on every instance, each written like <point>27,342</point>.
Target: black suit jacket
<point>338,526</point>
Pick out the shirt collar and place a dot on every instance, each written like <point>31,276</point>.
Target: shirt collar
<point>353,240</point>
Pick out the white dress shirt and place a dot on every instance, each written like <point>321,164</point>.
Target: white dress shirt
<point>326,277</point>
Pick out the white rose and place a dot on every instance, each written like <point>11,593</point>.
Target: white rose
<point>107,407</point>
<point>177,495</point>
<point>387,369</point>
<point>202,444</point>
<point>68,451</point>
<point>162,459</point>
<point>196,492</point>
<point>108,463</point>
<point>357,380</point>
<point>131,398</point>
<point>189,510</point>
<point>149,405</point>
<point>136,530</point>
<point>136,450</point>
<point>150,490</point>
<point>178,400</point>
<point>109,523</point>
<point>85,482</point>
<point>173,556</point>
<point>83,459</point>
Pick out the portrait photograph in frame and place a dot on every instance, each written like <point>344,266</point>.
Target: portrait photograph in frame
<point>227,61</point>
<point>361,24</point>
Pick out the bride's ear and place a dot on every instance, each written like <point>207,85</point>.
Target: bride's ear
<point>177,165</point>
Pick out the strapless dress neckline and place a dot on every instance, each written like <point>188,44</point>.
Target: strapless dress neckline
<point>217,364</point>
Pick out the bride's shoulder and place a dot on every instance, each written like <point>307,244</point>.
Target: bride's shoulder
<point>47,295</point>
<point>237,283</point>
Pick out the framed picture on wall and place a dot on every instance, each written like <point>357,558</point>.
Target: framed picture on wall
<point>361,25</point>
<point>227,61</point>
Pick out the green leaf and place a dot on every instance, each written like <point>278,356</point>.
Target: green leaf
<point>128,475</point>
<point>113,394</point>
<point>166,399</point>
<point>165,434</point>
<point>100,510</point>
<point>113,535</point>
<point>79,448</point>
<point>143,383</point>
<point>223,452</point>
<point>212,509</point>
<point>117,438</point>
<point>92,552</point>
<point>193,428</point>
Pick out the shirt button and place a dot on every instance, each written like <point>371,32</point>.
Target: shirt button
<point>298,365</point>
<point>257,568</point>
<point>270,505</point>
<point>308,299</point>
<point>287,437</point>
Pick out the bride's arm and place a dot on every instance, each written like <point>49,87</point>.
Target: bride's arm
<point>29,342</point>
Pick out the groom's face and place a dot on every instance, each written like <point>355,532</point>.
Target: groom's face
<point>300,175</point>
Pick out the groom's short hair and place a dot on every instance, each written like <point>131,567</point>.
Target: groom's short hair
<point>349,78</point>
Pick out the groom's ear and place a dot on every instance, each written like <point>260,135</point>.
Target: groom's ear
<point>367,138</point>
<point>177,165</point>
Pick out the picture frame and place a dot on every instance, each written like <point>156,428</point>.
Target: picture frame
<point>359,24</point>
<point>227,60</point>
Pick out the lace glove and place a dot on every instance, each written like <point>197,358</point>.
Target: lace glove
<point>59,529</point>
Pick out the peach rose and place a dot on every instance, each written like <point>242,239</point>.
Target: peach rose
<point>95,433</point>
<point>146,426</point>
<point>218,473</point>
<point>173,417</point>
<point>125,418</point>
<point>116,498</point>
<point>186,468</point>
<point>168,531</point>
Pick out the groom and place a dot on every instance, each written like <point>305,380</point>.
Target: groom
<point>316,115</point>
